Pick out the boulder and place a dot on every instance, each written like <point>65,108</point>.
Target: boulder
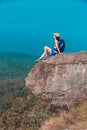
<point>60,79</point>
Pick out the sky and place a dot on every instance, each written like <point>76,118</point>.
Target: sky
<point>27,26</point>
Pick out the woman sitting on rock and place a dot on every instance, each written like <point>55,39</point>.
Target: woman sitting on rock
<point>59,46</point>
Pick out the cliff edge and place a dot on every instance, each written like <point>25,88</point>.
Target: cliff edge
<point>61,79</point>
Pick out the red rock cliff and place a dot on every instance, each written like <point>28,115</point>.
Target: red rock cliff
<point>61,79</point>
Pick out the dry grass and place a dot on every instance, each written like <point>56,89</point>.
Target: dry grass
<point>75,119</point>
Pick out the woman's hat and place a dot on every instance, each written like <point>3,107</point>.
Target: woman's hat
<point>56,34</point>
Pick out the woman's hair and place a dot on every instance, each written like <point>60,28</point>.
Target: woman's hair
<point>57,38</point>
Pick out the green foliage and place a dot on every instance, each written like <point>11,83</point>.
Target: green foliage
<point>10,89</point>
<point>13,69</point>
<point>24,117</point>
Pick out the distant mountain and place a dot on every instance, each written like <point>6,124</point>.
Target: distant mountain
<point>15,64</point>
<point>16,56</point>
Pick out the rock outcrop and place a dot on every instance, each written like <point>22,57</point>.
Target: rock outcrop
<point>61,79</point>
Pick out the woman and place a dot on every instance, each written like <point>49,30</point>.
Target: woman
<point>57,48</point>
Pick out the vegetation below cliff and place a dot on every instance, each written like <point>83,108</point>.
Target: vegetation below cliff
<point>75,119</point>
<point>13,69</point>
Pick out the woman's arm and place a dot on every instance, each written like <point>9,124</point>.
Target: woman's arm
<point>56,45</point>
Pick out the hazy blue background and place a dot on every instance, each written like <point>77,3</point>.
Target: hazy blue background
<point>28,25</point>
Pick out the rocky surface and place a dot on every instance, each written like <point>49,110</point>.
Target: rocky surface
<point>60,79</point>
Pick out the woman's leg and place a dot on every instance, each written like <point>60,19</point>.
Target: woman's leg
<point>47,51</point>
